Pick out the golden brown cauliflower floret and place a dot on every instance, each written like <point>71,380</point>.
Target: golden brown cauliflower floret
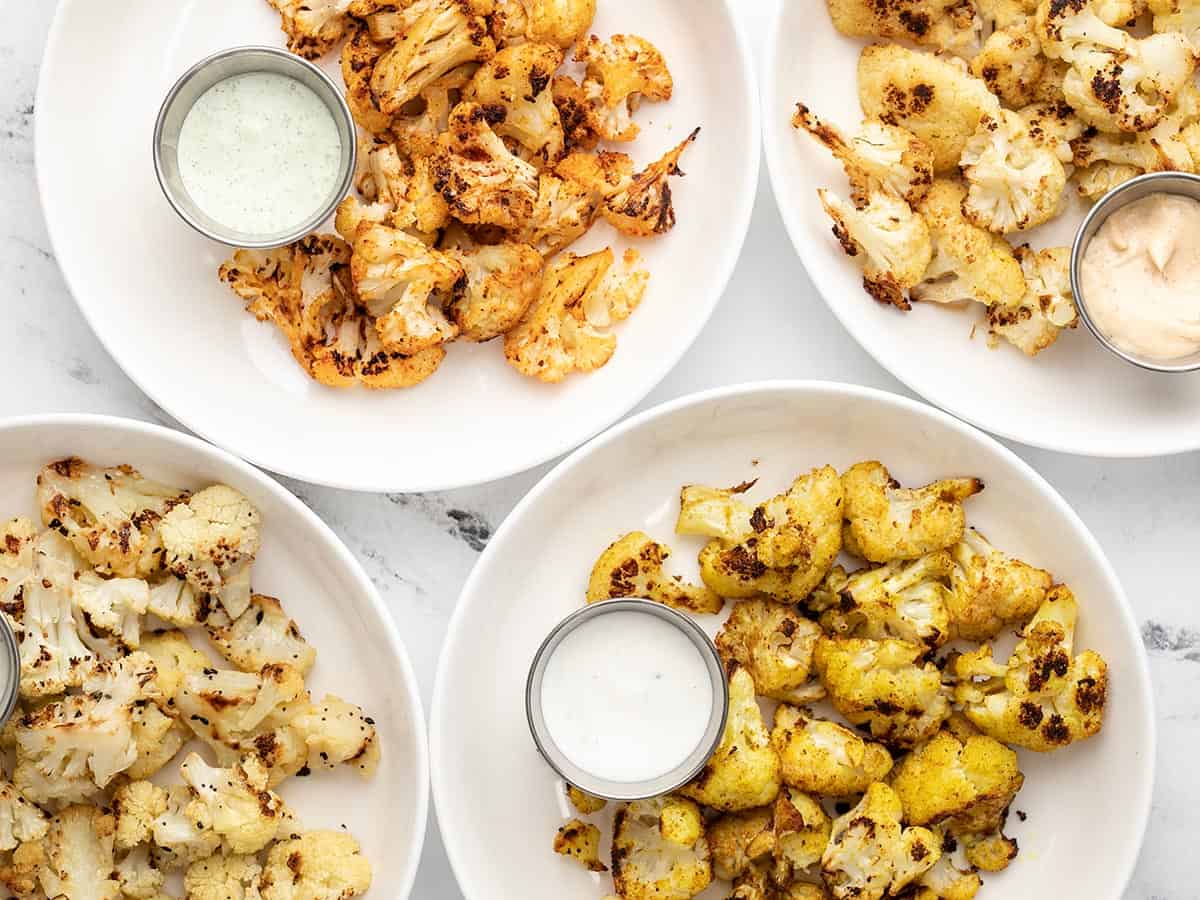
<point>659,850</point>
<point>870,854</point>
<point>399,194</point>
<point>1053,124</point>
<point>744,770</point>
<point>782,547</point>
<point>740,839</point>
<point>502,280</point>
<point>584,802</point>
<point>966,784</point>
<point>1043,698</point>
<point>775,645</point>
<point>19,873</point>
<point>901,599</point>
<point>174,658</point>
<point>261,635</point>
<point>802,830</point>
<point>991,590</point>
<point>1006,13</point>
<point>632,566</point>
<point>441,35</point>
<point>558,22</point>
<point>223,876</point>
<point>561,332</point>
<point>317,865</point>
<point>786,839</point>
<point>1013,181</point>
<point>1182,16</point>
<point>518,80</point>
<point>880,157</point>
<point>1047,307</point>
<point>932,97</point>
<point>135,806</point>
<point>313,27</point>
<point>989,852</point>
<point>1094,181</point>
<point>358,58</point>
<point>945,24</point>
<point>1011,64</point>
<point>883,684</point>
<point>892,240</point>
<point>885,522</point>
<point>337,732</point>
<point>580,841</point>
<point>621,73</point>
<point>968,262</point>
<point>571,197</point>
<point>823,757</point>
<point>233,803</point>
<point>642,207</point>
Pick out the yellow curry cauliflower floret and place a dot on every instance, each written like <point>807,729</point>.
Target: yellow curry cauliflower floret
<point>659,850</point>
<point>885,522</point>
<point>1047,307</point>
<point>632,566</point>
<point>782,547</point>
<point>991,589</point>
<point>883,684</point>
<point>317,865</point>
<point>775,645</point>
<point>786,839</point>
<point>1043,698</point>
<point>744,770</point>
<point>580,841</point>
<point>822,757</point>
<point>584,802</point>
<point>870,854</point>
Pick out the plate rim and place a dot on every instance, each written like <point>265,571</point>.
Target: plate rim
<point>440,778</point>
<point>369,479</point>
<point>187,444</point>
<point>775,134</point>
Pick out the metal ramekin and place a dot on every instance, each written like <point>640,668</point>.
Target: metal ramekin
<point>198,79</point>
<point>620,790</point>
<point>10,658</point>
<point>1123,194</point>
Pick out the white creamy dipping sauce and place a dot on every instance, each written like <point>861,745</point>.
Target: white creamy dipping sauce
<point>626,696</point>
<point>1140,277</point>
<point>259,152</point>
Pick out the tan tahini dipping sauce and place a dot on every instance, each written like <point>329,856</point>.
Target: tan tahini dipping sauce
<point>1140,277</point>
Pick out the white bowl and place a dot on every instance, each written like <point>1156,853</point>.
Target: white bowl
<point>359,653</point>
<point>147,283</point>
<point>1075,397</point>
<point>499,804</point>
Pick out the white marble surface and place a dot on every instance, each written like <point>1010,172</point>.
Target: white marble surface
<point>771,324</point>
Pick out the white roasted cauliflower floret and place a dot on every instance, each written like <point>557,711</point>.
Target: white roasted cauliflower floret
<point>317,865</point>
<point>744,770</point>
<point>138,876</point>
<point>210,541</point>
<point>223,876</point>
<point>632,566</point>
<point>775,644</point>
<point>135,807</point>
<point>1047,307</point>
<point>263,634</point>
<point>178,840</point>
<point>659,850</point>
<point>823,757</point>
<point>892,241</point>
<point>337,732</point>
<point>79,851</point>
<point>1013,182</point>
<point>20,820</point>
<point>233,803</point>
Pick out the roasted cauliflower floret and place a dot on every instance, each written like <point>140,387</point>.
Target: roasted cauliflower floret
<point>870,854</point>
<point>906,600</point>
<point>20,820</point>
<point>932,97</point>
<point>399,192</point>
<point>403,283</point>
<point>558,22</point>
<point>138,876</point>
<point>945,24</point>
<point>580,841</point>
<point>744,770</point>
<point>223,877</point>
<point>892,241</point>
<point>313,27</point>
<point>210,541</point>
<point>1043,698</point>
<point>317,865</point>
<point>968,262</point>
<point>782,547</point>
<point>775,645</point>
<point>583,802</point>
<point>112,609</point>
<point>883,684</point>
<point>880,157</point>
<point>1053,124</point>
<point>110,516</point>
<point>659,850</point>
<point>786,839</point>
<point>642,207</point>
<point>886,522</point>
<point>1047,307</point>
<point>1011,65</point>
<point>79,851</point>
<point>157,736</point>
<point>740,839</point>
<point>1013,182</point>
<point>621,73</point>
<point>561,332</point>
<point>20,871</point>
<point>823,757</point>
<point>178,839</point>
<point>233,803</point>
<point>135,807</point>
<point>949,879</point>
<point>336,732</point>
<point>967,784</point>
<point>518,79</point>
<point>441,35</point>
<point>991,590</point>
<point>358,58</point>
<point>632,566</point>
<point>1094,181</point>
<point>174,658</point>
<point>263,634</point>
<point>502,280</point>
<point>1181,16</point>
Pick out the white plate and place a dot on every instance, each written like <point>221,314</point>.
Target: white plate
<point>1075,397</point>
<point>359,654</point>
<point>499,804</point>
<point>147,284</point>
